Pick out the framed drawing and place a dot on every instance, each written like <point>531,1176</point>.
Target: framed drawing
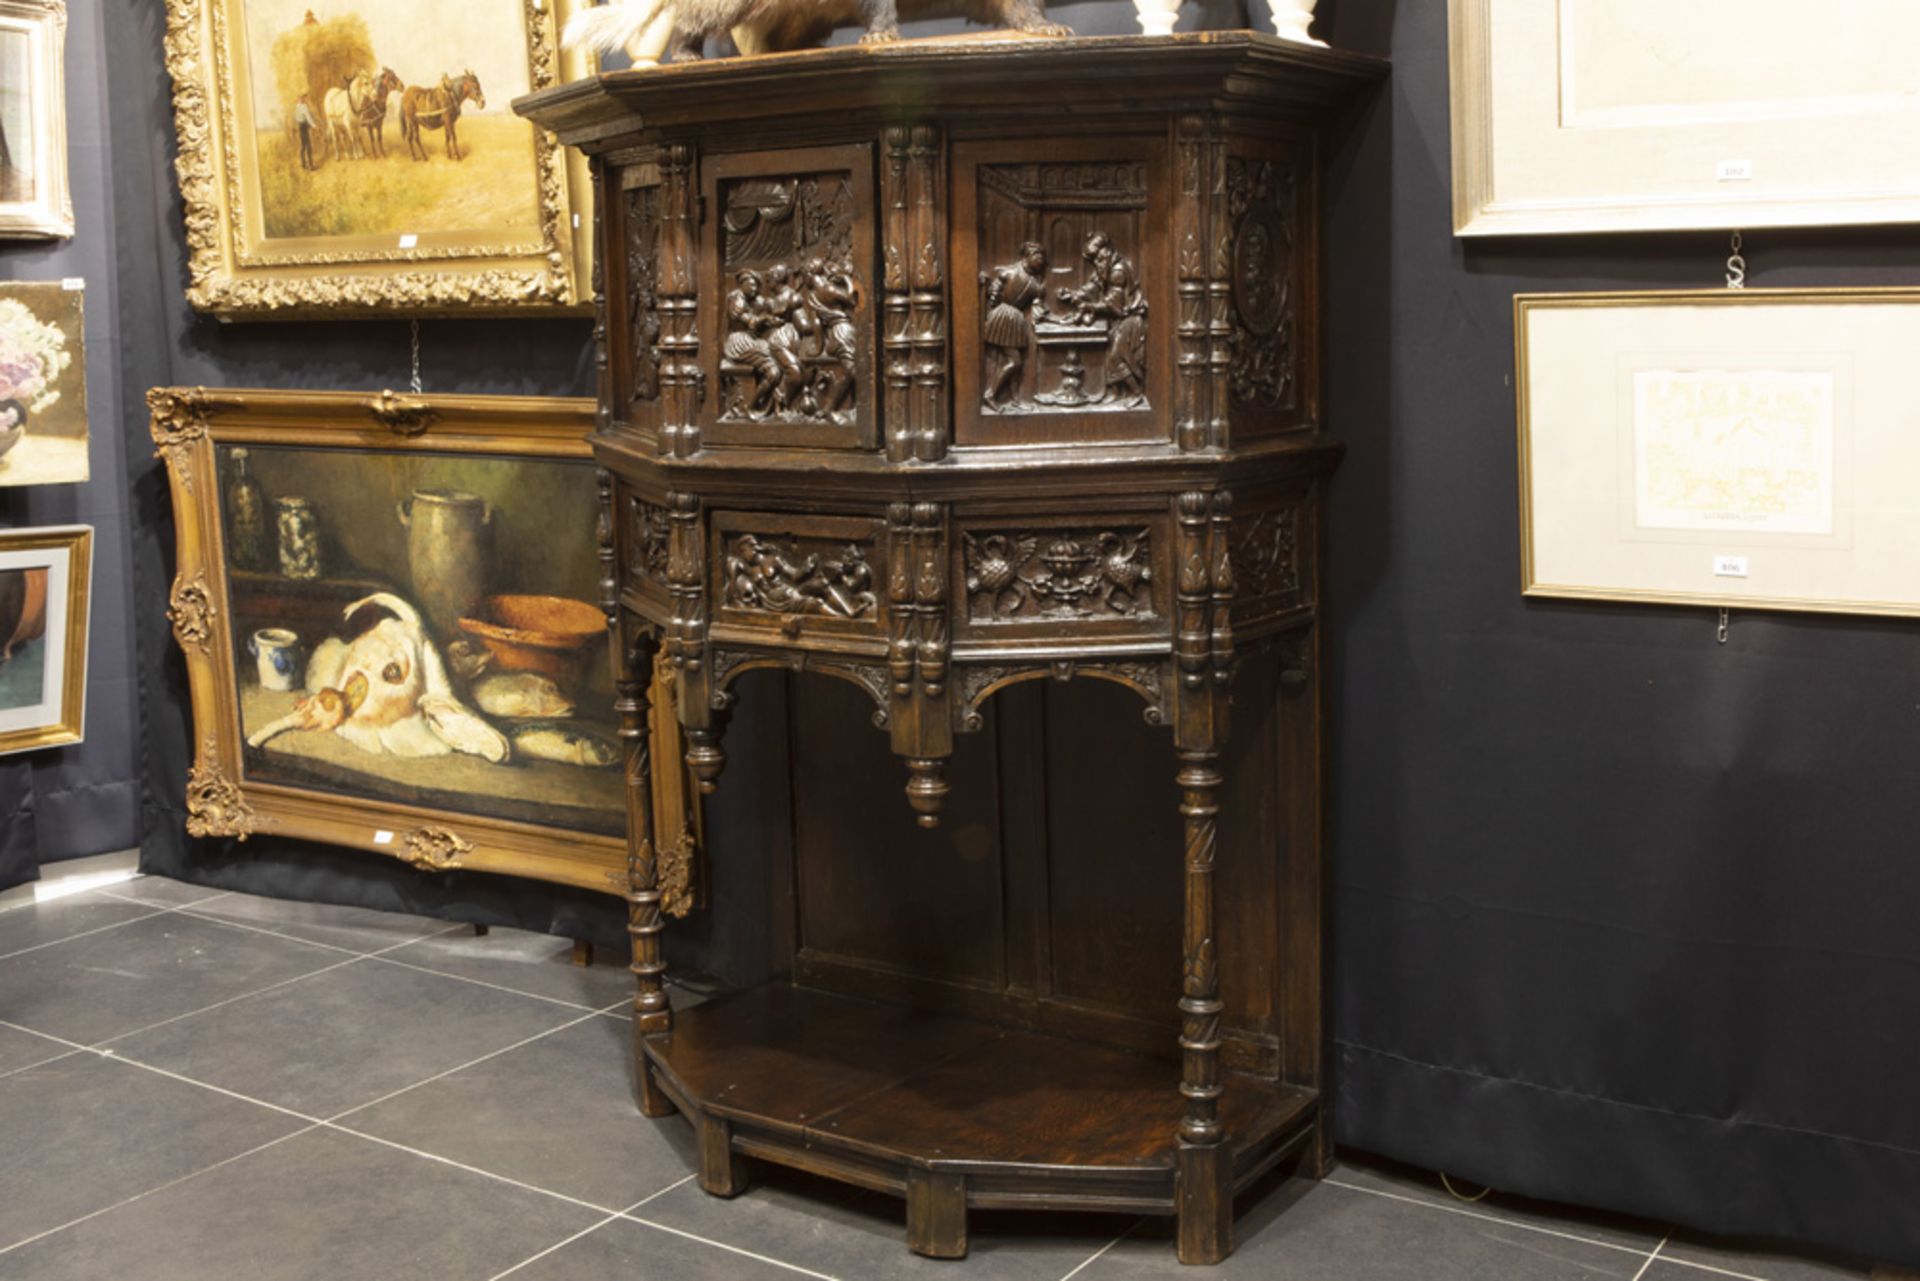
<point>391,616</point>
<point>45,576</point>
<point>1641,115</point>
<point>367,160</point>
<point>1751,448</point>
<point>43,385</point>
<point>34,201</point>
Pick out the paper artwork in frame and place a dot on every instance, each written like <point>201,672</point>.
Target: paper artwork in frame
<point>43,384</point>
<point>1638,115</point>
<point>34,201</point>
<point>391,615</point>
<point>353,156</point>
<point>1751,448</point>
<point>45,578</point>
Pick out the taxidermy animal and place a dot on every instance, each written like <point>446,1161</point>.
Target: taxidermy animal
<point>521,694</point>
<point>566,744</point>
<point>650,29</point>
<point>386,691</point>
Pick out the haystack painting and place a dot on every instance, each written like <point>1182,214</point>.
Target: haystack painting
<point>34,201</point>
<point>16,118</point>
<point>43,385</point>
<point>390,119</point>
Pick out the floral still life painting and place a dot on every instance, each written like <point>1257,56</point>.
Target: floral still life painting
<point>43,389</point>
<point>337,155</point>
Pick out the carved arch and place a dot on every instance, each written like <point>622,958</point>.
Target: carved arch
<point>1144,676</point>
<point>872,678</point>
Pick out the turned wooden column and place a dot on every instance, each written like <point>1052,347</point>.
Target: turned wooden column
<point>652,1009</point>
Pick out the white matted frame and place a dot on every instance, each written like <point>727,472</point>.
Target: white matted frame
<point>45,638</point>
<point>34,201</point>
<point>1753,448</point>
<point>1643,115</point>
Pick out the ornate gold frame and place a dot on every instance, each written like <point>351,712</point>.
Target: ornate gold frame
<point>77,541</point>
<point>49,215</point>
<point>468,277</point>
<point>221,802</point>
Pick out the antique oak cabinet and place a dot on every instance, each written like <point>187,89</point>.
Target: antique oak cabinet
<point>940,367</point>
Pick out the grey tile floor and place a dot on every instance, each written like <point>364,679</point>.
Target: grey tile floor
<point>203,1086</point>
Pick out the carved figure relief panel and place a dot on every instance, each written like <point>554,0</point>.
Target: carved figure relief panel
<point>793,308</point>
<point>1262,212</point>
<point>1051,572</point>
<point>1061,294</point>
<point>792,574</point>
<point>642,319</point>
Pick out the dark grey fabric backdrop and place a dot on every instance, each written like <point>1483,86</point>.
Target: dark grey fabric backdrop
<point>73,801</point>
<point>1622,916</point>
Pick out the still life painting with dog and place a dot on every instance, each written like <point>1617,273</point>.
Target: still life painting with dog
<point>420,628</point>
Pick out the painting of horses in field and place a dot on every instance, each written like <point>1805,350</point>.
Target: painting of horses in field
<point>390,120</point>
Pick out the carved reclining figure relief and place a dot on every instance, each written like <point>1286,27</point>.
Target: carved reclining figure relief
<point>653,30</point>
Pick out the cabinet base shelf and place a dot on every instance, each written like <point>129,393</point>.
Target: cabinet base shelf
<point>953,1114</point>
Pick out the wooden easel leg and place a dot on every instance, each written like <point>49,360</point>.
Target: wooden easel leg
<point>723,1172</point>
<point>1206,1204</point>
<point>937,1214</point>
<point>652,1011</point>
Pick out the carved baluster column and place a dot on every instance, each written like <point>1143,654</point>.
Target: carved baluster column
<point>920,717</point>
<point>687,638</point>
<point>602,370</point>
<point>1219,288</point>
<point>928,303</point>
<point>1203,594</point>
<point>1193,236</point>
<point>652,1011</point>
<point>682,383</point>
<point>897,237</point>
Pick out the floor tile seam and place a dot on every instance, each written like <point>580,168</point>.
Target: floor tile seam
<point>251,928</point>
<point>1487,1218</point>
<point>1651,1256</point>
<point>46,1062</point>
<point>162,1187</point>
<point>730,1249</point>
<point>651,1197</point>
<point>437,1159</point>
<point>98,929</point>
<point>45,1036</point>
<point>498,987</point>
<point>556,1247</point>
<point>221,1004</point>
<point>437,1076</point>
<point>115,1056</point>
<point>1715,1269</point>
<point>127,898</point>
<point>1091,1259</point>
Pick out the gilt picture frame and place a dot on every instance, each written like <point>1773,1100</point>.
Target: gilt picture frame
<point>1641,115</point>
<point>364,159</point>
<point>46,579</point>
<point>35,203</point>
<point>396,638</point>
<point>1748,448</point>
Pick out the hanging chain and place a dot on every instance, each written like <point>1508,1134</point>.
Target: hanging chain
<point>1736,266</point>
<point>1721,635</point>
<point>415,384</point>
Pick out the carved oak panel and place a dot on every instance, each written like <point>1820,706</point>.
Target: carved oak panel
<point>643,294</point>
<point>1055,573</point>
<point>1271,552</point>
<point>1061,302</point>
<point>792,311</point>
<point>791,575</point>
<point>648,529</point>
<point>1262,209</point>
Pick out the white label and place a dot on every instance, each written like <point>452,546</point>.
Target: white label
<point>1734,171</point>
<point>1729,566</point>
<point>73,284</point>
<point>576,222</point>
<point>409,240</point>
<point>383,838</point>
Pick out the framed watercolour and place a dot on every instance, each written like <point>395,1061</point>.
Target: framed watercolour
<point>390,611</point>
<point>1641,115</point>
<point>45,576</point>
<point>1751,448</point>
<point>363,158</point>
<point>34,201</point>
<point>43,385</point>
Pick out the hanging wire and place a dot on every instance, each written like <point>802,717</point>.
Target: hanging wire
<point>1736,266</point>
<point>415,384</point>
<point>1722,633</point>
<point>1457,1194</point>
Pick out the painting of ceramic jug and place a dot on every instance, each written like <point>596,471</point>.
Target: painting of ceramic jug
<point>446,552</point>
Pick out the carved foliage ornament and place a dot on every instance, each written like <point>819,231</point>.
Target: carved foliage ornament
<point>180,419</point>
<point>775,577</point>
<point>792,347</point>
<point>1265,554</point>
<point>1087,574</point>
<point>1260,203</point>
<point>435,849</point>
<point>651,530</point>
<point>643,289</point>
<point>216,807</point>
<point>676,875</point>
<point>401,416</point>
<point>191,611</point>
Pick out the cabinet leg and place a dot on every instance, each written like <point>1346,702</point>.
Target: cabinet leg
<point>723,1172</point>
<point>937,1214</point>
<point>1317,1157</point>
<point>1206,1204</point>
<point>652,1011</point>
<point>647,1094</point>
